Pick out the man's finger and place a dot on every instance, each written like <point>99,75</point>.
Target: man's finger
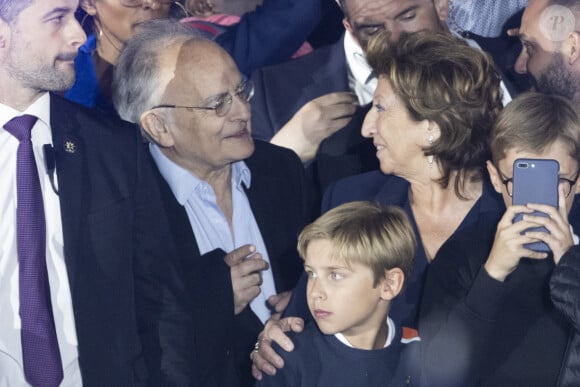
<point>237,255</point>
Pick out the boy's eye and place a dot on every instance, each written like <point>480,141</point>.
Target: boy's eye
<point>310,274</point>
<point>336,276</point>
<point>379,107</point>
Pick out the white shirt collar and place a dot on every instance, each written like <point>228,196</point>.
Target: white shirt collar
<point>390,335</point>
<point>39,108</point>
<point>361,78</point>
<point>183,183</point>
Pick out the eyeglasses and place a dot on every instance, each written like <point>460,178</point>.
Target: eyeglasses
<point>139,3</point>
<point>245,91</point>
<point>566,183</point>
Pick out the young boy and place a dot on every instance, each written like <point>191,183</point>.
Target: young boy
<point>357,257</point>
<point>486,301</point>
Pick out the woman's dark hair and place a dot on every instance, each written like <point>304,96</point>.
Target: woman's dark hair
<point>439,78</point>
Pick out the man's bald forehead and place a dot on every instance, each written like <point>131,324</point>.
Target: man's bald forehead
<point>196,49</point>
<point>349,3</point>
<point>191,59</point>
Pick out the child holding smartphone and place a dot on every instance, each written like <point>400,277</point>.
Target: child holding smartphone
<point>486,302</point>
<point>357,257</point>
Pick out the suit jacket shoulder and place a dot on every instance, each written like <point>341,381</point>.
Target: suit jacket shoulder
<point>281,90</point>
<point>375,185</point>
<point>282,202</point>
<point>119,266</point>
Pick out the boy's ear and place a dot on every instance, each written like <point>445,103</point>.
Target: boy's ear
<point>155,127</point>
<point>392,283</point>
<point>494,177</point>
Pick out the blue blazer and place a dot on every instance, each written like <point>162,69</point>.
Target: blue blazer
<point>126,294</point>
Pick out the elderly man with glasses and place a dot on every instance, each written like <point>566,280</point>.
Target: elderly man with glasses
<point>236,204</point>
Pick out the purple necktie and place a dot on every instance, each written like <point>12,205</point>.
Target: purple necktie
<point>40,353</point>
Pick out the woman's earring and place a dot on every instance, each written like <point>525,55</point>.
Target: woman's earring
<point>430,157</point>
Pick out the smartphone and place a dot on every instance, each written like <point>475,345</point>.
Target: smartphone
<point>536,181</point>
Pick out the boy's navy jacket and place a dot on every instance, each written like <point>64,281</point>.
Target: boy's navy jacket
<point>322,360</point>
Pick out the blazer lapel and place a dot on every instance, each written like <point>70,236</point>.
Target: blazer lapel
<point>70,163</point>
<point>330,76</point>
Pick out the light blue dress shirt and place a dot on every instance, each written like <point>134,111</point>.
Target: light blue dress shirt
<point>210,225</point>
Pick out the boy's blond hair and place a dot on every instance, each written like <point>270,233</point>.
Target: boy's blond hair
<point>380,237</point>
<point>535,121</point>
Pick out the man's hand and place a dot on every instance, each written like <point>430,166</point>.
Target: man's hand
<point>513,32</point>
<point>508,246</point>
<point>315,121</point>
<point>278,303</point>
<point>264,358</point>
<point>245,266</point>
<point>199,8</point>
<point>560,237</point>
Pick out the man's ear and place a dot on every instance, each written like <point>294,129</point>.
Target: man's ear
<point>494,177</point>
<point>571,48</point>
<point>89,7</point>
<point>156,129</point>
<point>442,9</point>
<point>5,33</point>
<point>349,29</point>
<point>392,283</point>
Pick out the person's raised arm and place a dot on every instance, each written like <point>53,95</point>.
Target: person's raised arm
<point>315,121</point>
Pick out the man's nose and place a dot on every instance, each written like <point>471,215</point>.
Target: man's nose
<point>521,65</point>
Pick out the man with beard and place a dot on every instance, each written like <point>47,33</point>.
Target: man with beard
<point>82,233</point>
<point>551,46</point>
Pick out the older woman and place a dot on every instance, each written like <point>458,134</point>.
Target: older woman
<point>430,122</point>
<point>261,38</point>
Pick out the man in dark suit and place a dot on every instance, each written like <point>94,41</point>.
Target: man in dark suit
<point>236,206</point>
<point>87,306</point>
<point>293,108</point>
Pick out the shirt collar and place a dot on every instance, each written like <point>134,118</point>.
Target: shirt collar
<point>241,174</point>
<point>39,108</point>
<point>388,341</point>
<point>183,183</point>
<point>356,61</point>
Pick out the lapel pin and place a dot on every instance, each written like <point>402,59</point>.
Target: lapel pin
<point>70,147</point>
